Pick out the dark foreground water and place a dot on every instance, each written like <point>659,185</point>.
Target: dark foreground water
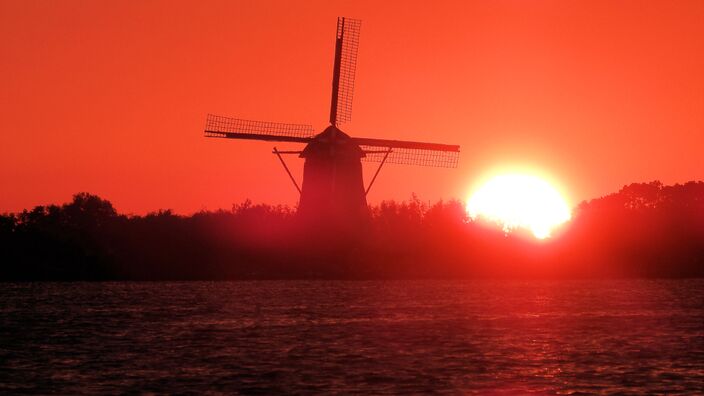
<point>354,337</point>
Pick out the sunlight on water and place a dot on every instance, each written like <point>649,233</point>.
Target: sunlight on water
<point>368,337</point>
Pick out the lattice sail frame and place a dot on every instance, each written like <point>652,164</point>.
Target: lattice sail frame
<point>216,126</point>
<point>348,34</point>
<point>409,156</point>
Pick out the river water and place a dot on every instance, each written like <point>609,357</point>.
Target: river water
<point>484,337</point>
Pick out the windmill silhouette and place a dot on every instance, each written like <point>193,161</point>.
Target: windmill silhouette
<point>333,186</point>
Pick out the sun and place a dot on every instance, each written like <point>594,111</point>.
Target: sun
<point>519,201</point>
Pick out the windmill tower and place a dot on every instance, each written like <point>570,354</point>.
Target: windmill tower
<point>333,186</point>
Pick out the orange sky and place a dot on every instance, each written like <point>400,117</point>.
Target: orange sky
<point>111,97</point>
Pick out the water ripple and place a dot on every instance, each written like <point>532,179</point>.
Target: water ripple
<point>480,337</point>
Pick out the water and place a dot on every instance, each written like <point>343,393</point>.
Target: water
<point>354,337</point>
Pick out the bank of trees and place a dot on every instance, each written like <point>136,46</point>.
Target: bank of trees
<point>645,230</point>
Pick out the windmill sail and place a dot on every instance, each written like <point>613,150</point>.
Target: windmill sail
<point>346,44</point>
<point>235,128</point>
<point>409,153</point>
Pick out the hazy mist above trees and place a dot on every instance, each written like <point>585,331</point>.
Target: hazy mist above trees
<point>644,230</point>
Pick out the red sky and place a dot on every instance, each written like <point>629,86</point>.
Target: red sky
<point>111,97</point>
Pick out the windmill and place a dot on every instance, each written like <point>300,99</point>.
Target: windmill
<point>333,186</point>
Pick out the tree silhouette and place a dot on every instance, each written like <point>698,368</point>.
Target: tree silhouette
<point>644,230</point>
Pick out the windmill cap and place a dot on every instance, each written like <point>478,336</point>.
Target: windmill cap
<point>332,138</point>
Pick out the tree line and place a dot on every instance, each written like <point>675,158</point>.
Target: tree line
<point>643,230</point>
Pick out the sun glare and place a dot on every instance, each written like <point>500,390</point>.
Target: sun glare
<point>519,201</point>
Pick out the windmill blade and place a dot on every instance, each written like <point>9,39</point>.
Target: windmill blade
<point>405,156</point>
<point>235,128</point>
<point>409,153</point>
<point>346,44</point>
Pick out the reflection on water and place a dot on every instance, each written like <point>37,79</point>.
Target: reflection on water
<point>366,337</point>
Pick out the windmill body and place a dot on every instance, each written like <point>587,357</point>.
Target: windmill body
<point>333,186</point>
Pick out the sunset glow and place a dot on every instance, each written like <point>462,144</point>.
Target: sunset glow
<point>352,197</point>
<point>519,201</point>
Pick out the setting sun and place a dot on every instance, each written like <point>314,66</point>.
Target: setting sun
<point>519,201</point>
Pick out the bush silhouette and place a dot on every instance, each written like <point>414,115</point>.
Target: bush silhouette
<point>643,230</point>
